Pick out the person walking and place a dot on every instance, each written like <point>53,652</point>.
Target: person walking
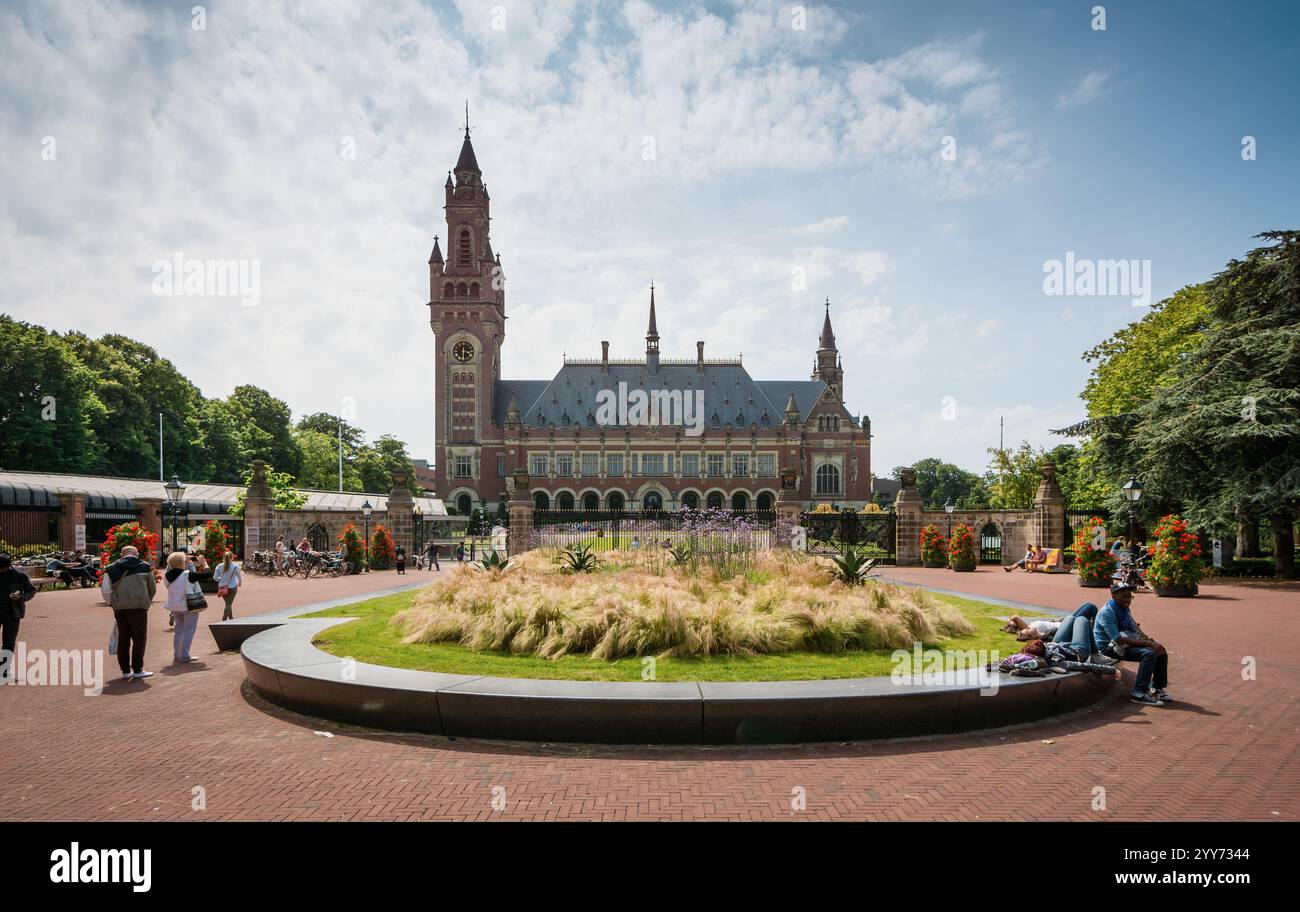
<point>16,590</point>
<point>400,557</point>
<point>460,551</point>
<point>229,577</point>
<point>184,601</point>
<point>431,557</point>
<point>132,593</point>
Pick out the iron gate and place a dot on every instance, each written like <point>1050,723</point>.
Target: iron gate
<point>874,534</point>
<point>990,544</point>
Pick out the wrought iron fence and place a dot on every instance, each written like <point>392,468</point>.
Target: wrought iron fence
<point>875,534</point>
<point>624,530</point>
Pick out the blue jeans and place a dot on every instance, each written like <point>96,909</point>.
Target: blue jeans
<point>1153,668</point>
<point>1077,629</point>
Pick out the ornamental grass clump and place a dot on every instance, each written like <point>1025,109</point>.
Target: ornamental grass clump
<point>786,603</point>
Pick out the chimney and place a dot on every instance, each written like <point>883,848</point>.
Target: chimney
<point>604,357</point>
<point>699,357</point>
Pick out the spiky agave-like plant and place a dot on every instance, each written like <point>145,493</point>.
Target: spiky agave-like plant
<point>579,559</point>
<point>850,567</point>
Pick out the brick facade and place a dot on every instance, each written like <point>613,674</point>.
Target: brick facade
<point>488,429</point>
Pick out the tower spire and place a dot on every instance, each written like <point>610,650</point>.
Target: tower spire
<point>827,340</point>
<point>652,336</point>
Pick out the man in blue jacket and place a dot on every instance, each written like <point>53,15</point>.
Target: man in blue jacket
<point>1119,637</point>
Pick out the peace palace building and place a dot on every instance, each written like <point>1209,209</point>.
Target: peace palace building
<point>487,427</point>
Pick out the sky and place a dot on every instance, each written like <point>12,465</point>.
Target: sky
<point>917,163</point>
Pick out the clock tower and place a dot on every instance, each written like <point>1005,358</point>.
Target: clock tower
<point>467,315</point>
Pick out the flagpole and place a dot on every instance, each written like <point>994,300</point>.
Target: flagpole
<point>340,455</point>
<point>160,448</point>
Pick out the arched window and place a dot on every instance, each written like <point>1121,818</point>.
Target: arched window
<point>691,500</point>
<point>740,501</point>
<point>462,289</point>
<point>473,290</point>
<point>591,501</point>
<point>764,501</point>
<point>464,504</point>
<point>541,501</point>
<point>465,248</point>
<point>616,501</point>
<point>564,500</point>
<point>653,500</point>
<point>828,479</point>
<point>448,290</point>
<point>715,500</point>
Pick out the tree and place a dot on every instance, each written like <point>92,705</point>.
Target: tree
<point>327,424</point>
<point>223,444</point>
<point>267,429</point>
<point>377,462</point>
<point>1133,362</point>
<point>1013,476</point>
<point>50,407</point>
<point>938,481</point>
<point>1222,435</point>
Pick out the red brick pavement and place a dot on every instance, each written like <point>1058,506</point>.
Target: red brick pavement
<point>1227,750</point>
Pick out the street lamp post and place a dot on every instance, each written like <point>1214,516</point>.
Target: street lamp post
<point>1132,493</point>
<point>174,490</point>
<point>417,532</point>
<point>365,546</point>
<point>948,508</point>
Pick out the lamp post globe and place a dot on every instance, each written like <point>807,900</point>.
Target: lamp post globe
<point>174,490</point>
<point>1132,493</point>
<point>948,508</point>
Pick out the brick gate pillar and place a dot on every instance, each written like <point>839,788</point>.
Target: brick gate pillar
<point>151,518</point>
<point>259,511</point>
<point>72,522</point>
<point>789,510</point>
<point>1049,509</point>
<point>907,508</point>
<point>520,508</point>
<point>400,520</point>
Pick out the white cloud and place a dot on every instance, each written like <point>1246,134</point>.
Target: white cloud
<point>872,265</point>
<point>1090,88</point>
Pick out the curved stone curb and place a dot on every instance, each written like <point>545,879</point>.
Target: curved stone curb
<point>288,670</point>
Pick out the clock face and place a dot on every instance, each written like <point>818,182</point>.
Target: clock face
<point>462,351</point>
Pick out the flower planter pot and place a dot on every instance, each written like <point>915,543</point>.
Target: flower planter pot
<point>1176,591</point>
<point>933,565</point>
<point>965,569</point>
<point>1094,584</point>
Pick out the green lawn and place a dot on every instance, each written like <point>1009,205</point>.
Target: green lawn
<point>371,639</point>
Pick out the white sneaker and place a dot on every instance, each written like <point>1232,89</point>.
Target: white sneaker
<point>144,674</point>
<point>129,676</point>
<point>1098,658</point>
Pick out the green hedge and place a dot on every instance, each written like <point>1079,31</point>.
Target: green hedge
<point>1248,567</point>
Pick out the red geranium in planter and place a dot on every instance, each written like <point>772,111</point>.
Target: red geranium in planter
<point>934,547</point>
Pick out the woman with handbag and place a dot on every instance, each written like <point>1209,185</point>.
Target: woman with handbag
<point>228,577</point>
<point>184,600</point>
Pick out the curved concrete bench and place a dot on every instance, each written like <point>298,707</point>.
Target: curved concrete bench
<point>285,668</point>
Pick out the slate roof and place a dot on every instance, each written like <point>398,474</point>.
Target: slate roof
<point>729,392</point>
<point>467,161</point>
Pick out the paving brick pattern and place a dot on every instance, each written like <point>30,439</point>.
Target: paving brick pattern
<point>1228,750</point>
